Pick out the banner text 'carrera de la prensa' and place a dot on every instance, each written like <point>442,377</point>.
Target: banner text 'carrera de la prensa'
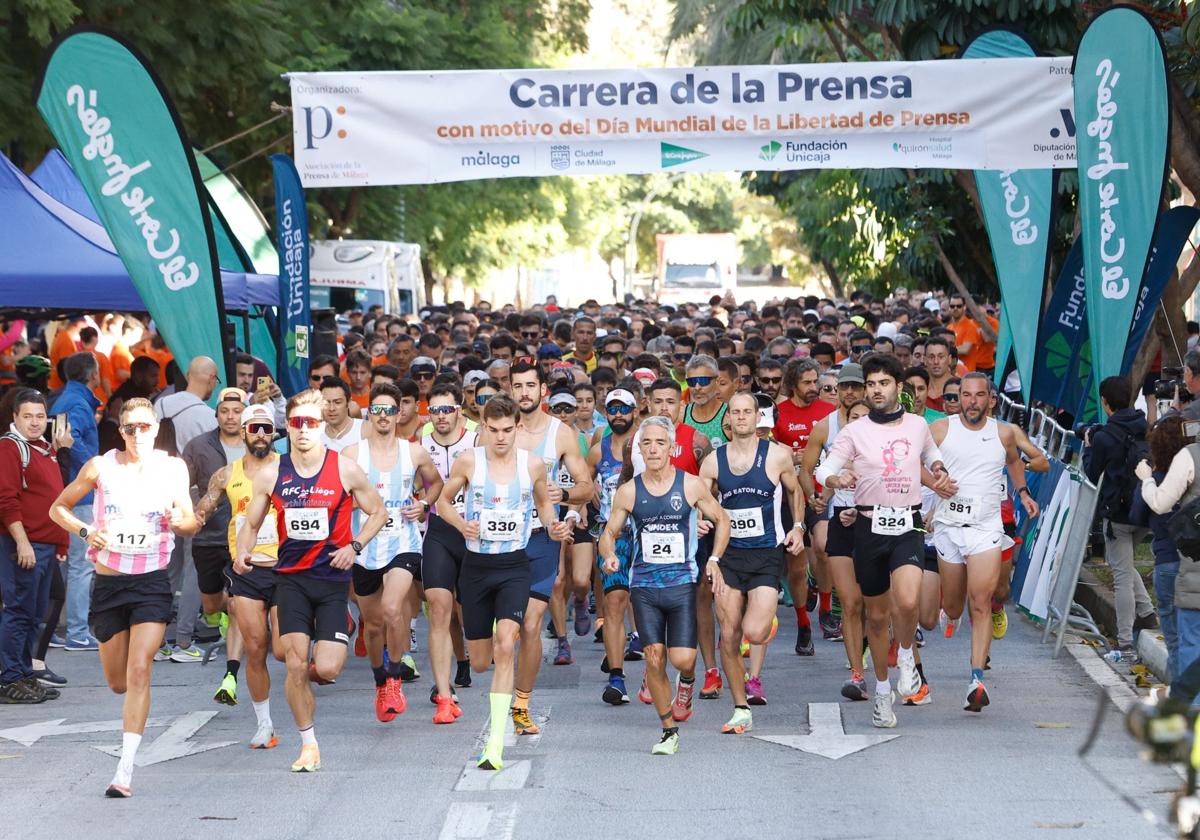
<point>115,123</point>
<point>1123,116</point>
<point>1017,205</point>
<point>361,129</point>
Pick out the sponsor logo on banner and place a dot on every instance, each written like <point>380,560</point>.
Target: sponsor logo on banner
<point>560,157</point>
<point>770,150</point>
<point>935,148</point>
<point>676,155</point>
<point>485,158</point>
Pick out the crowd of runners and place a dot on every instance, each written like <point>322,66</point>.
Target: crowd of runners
<point>656,479</point>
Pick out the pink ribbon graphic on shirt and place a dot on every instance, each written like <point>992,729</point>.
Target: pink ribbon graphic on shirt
<point>890,454</point>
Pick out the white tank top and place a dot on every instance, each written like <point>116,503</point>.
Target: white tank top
<point>131,508</point>
<point>841,498</point>
<point>547,452</point>
<point>395,487</point>
<point>504,511</point>
<point>976,461</point>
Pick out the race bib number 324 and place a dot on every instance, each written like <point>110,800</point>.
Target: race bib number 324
<point>891,522</point>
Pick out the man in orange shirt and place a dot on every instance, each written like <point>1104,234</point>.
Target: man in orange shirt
<point>967,335</point>
<point>89,338</point>
<point>66,342</point>
<point>155,347</point>
<point>986,362</point>
<point>358,375</point>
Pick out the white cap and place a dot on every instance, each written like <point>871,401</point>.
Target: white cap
<point>474,376</point>
<point>257,413</point>
<point>620,395</point>
<point>563,399</point>
<point>932,304</point>
<point>887,329</point>
<point>766,418</point>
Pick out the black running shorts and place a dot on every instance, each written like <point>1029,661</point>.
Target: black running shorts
<point>876,556</point>
<point>211,562</point>
<point>745,569</point>
<point>369,581</point>
<point>839,539</point>
<point>121,601</point>
<point>442,555</point>
<point>665,615</point>
<point>490,588</point>
<point>258,584</point>
<point>312,606</point>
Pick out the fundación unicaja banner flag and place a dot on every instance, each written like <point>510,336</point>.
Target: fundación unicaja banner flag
<point>116,125</point>
<point>1017,211</point>
<point>1121,110</point>
<point>291,239</point>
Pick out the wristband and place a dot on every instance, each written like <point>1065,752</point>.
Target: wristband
<point>573,514</point>
<point>714,559</point>
<point>1022,489</point>
<point>796,525</point>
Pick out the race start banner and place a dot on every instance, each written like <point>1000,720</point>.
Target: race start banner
<point>367,129</point>
<point>116,125</point>
<point>291,239</point>
<point>1122,109</point>
<point>1017,206</point>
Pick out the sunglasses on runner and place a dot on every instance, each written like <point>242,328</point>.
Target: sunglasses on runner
<point>699,381</point>
<point>781,358</point>
<point>746,378</point>
<point>828,389</point>
<point>950,397</point>
<point>135,429</point>
<point>261,429</point>
<point>384,410</point>
<point>619,409</point>
<point>442,409</point>
<point>681,357</point>
<point>481,399</point>
<point>563,409</point>
<point>861,348</point>
<point>424,374</point>
<point>304,422</point>
<point>315,377</point>
<point>532,336</point>
<point>770,380</point>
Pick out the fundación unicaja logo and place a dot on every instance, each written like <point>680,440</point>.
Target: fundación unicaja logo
<point>675,155</point>
<point>770,150</point>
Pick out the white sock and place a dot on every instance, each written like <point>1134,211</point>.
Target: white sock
<point>883,686</point>
<point>905,653</point>
<point>412,625</point>
<point>262,711</point>
<point>308,737</point>
<point>129,745</point>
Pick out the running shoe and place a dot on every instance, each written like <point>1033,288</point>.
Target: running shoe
<point>551,633</point>
<point>408,668</point>
<point>681,709</point>
<point>923,697</point>
<point>583,619</point>
<point>447,710</point>
<point>745,649</point>
<point>810,603</point>
<point>57,641</point>
<point>313,676</point>
<point>433,695</point>
<point>264,738</point>
<point>383,703</point>
<point>309,760</point>
<point>491,761</point>
<point>910,679</point>
<point>804,642</point>
<point>116,791</point>
<point>77,645</point>
<point>668,744</point>
<point>163,654</point>
<point>49,692</point>
<point>950,624</point>
<point>920,638</point>
<point>191,653</point>
<point>222,624</point>
<point>22,692</point>
<point>522,723</point>
<point>883,716</point>
<point>396,692</point>
<point>604,666</point>
<point>462,677</point>
<point>999,624</point>
<point>831,627</point>
<point>227,693</point>
<point>47,678</point>
<point>977,697</point>
<point>644,693</point>
<point>740,723</point>
<point>633,648</point>
<point>712,685</point>
<point>563,657</point>
<point>412,639</point>
<point>614,692</point>
<point>754,692</point>
<point>855,688</point>
<point>360,641</point>
<point>598,636</point>
<point>774,629</point>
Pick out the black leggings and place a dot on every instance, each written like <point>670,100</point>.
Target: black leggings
<point>58,597</point>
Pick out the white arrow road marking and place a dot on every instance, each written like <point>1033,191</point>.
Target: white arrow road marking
<point>827,737</point>
<point>174,742</point>
<point>475,820</point>
<point>34,732</point>
<point>511,738</point>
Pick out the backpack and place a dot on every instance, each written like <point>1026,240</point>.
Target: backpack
<point>1118,506</point>
<point>25,451</point>
<point>165,439</point>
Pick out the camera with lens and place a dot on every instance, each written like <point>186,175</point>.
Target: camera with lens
<point>1165,727</point>
<point>1170,384</point>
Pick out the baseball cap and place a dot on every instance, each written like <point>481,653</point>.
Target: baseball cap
<point>473,377</point>
<point>257,413</point>
<point>766,418</point>
<point>562,399</point>
<point>423,362</point>
<point>932,305</point>
<point>620,395</point>
<point>851,372</point>
<point>231,393</point>
<point>549,350</point>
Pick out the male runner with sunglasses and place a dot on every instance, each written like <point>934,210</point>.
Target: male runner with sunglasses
<point>252,593</point>
<point>705,409</point>
<point>313,490</point>
<point>444,549</point>
<point>504,486</point>
<point>384,572</point>
<point>556,445</point>
<point>880,457</point>
<point>661,505</point>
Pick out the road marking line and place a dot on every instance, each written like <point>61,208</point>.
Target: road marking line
<point>474,821</point>
<point>827,735</point>
<point>174,742</point>
<point>512,777</point>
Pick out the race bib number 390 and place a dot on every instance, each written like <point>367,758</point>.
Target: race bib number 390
<point>662,548</point>
<point>745,523</point>
<point>310,524</point>
<point>500,525</point>
<point>891,522</point>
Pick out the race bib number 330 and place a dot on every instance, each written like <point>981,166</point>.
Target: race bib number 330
<point>497,525</point>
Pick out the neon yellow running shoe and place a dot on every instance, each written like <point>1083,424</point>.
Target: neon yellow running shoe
<point>999,624</point>
<point>227,693</point>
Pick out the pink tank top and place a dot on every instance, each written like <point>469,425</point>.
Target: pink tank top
<point>129,507</point>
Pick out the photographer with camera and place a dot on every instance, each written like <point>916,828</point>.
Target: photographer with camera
<point>1113,451</point>
<point>1185,400</point>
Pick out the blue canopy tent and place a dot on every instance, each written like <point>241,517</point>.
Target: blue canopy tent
<point>52,257</point>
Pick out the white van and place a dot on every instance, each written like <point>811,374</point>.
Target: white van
<point>349,274</point>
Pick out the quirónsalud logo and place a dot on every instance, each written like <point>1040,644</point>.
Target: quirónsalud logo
<point>676,155</point>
